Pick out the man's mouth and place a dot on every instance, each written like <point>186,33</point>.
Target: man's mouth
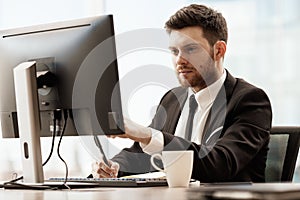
<point>185,71</point>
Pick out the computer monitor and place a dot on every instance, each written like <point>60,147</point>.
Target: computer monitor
<point>76,66</point>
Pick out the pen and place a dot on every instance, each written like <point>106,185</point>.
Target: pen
<point>98,144</point>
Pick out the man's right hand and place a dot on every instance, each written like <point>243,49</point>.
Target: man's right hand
<point>101,170</point>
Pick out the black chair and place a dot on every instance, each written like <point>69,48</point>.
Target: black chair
<point>282,156</point>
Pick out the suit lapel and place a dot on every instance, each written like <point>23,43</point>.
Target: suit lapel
<point>176,108</point>
<point>214,124</point>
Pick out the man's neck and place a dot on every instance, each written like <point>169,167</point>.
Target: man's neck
<point>210,81</point>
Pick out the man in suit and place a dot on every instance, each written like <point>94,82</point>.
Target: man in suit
<point>229,127</point>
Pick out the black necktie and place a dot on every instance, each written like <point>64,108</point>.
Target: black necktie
<point>189,124</point>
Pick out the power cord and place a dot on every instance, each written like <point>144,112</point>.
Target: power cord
<point>12,184</point>
<point>58,147</point>
<point>11,181</point>
<point>53,140</point>
<point>52,127</point>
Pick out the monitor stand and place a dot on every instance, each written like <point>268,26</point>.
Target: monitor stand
<point>29,121</point>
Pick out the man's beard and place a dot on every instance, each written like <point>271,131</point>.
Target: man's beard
<point>194,81</point>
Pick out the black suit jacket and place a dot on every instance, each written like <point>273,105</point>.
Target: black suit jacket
<point>235,137</point>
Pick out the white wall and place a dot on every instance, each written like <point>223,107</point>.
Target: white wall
<point>15,13</point>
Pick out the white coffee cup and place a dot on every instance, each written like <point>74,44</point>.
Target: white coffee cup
<point>178,166</point>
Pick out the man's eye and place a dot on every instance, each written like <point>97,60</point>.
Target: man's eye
<point>191,50</point>
<point>174,51</point>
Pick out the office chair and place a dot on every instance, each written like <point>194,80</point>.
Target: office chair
<point>282,156</point>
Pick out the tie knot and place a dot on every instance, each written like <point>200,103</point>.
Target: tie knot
<point>193,102</point>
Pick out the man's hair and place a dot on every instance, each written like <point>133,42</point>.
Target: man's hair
<point>212,22</point>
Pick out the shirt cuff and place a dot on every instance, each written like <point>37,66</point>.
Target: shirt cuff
<point>156,143</point>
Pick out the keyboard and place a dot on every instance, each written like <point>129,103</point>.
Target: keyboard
<point>111,182</point>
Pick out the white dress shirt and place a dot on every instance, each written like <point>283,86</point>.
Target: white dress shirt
<point>205,99</point>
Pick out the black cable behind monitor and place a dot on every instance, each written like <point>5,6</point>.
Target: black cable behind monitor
<point>53,140</point>
<point>59,143</point>
<point>13,184</point>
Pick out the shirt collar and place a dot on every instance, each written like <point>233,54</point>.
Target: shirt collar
<point>206,96</point>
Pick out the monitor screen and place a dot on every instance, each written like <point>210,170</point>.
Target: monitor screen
<point>77,71</point>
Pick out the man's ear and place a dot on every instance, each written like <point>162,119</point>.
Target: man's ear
<point>219,50</point>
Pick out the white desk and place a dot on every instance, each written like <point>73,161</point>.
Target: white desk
<point>153,193</point>
<point>271,191</point>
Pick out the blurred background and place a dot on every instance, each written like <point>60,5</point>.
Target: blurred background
<point>262,48</point>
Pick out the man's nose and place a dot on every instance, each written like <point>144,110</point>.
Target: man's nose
<point>181,60</point>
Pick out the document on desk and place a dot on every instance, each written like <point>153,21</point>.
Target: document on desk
<point>255,191</point>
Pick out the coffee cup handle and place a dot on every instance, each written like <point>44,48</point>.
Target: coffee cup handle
<point>157,155</point>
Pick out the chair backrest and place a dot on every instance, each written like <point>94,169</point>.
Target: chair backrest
<point>282,156</point>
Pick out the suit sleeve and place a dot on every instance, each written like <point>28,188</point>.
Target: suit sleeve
<point>133,160</point>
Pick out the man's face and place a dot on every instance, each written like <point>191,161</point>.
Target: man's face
<point>192,58</point>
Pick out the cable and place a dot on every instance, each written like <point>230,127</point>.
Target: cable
<point>58,147</point>
<point>11,181</point>
<point>17,179</point>
<point>12,184</point>
<point>53,140</point>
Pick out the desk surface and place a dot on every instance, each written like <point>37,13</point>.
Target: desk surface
<point>146,193</point>
<point>157,193</point>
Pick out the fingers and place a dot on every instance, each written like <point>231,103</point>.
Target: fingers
<point>101,170</point>
<point>135,132</point>
<point>95,169</point>
<point>114,167</point>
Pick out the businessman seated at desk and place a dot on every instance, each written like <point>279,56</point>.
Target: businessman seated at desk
<point>229,127</point>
